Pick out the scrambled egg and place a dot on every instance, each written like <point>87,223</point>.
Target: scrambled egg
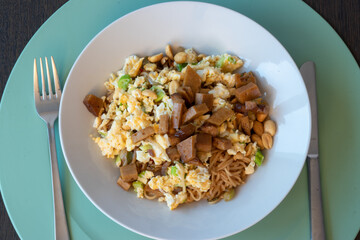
<point>130,109</point>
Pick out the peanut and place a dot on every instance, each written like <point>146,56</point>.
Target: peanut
<point>180,57</point>
<point>267,140</point>
<point>150,67</point>
<point>155,58</point>
<point>173,86</point>
<point>256,138</point>
<point>270,127</point>
<point>258,128</point>
<point>200,57</point>
<point>248,149</point>
<point>168,52</point>
<point>149,93</point>
<point>164,60</point>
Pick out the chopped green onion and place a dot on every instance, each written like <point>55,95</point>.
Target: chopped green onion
<point>181,66</point>
<point>174,171</point>
<point>103,134</point>
<point>159,93</point>
<point>259,157</point>
<point>229,194</point>
<point>231,60</point>
<point>220,62</point>
<point>146,147</point>
<point>124,81</point>
<point>137,184</point>
<point>142,174</point>
<point>129,157</point>
<point>118,161</point>
<point>195,63</point>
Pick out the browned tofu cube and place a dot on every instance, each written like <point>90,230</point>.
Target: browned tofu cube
<point>129,172</point>
<point>187,149</point>
<point>164,124</point>
<point>93,104</point>
<point>177,114</point>
<point>194,112</point>
<point>208,99</point>
<point>173,154</point>
<point>192,79</point>
<point>222,143</point>
<point>248,92</point>
<point>185,131</point>
<point>203,142</point>
<point>173,140</point>
<point>142,134</point>
<point>244,78</point>
<point>220,116</point>
<point>123,184</point>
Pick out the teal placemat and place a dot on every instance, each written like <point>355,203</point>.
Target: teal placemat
<point>24,159</point>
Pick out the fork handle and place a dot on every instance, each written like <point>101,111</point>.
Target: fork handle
<point>316,208</point>
<point>60,225</point>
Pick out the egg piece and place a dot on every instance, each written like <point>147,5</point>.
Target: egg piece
<point>199,178</point>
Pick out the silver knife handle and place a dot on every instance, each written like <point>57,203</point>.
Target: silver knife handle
<point>316,209</point>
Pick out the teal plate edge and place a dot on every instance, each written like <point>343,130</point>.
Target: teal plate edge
<point>29,206</point>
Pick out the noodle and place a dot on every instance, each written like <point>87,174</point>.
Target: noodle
<point>226,173</point>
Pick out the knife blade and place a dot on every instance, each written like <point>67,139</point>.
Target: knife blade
<point>316,210</point>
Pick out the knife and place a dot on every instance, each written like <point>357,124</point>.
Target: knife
<point>316,210</point>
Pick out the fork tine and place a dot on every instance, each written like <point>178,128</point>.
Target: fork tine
<point>49,79</point>
<point>42,80</point>
<point>36,81</point>
<point>56,78</point>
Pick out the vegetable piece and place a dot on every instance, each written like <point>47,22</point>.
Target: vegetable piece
<point>180,66</point>
<point>173,154</point>
<point>136,185</point>
<point>164,168</point>
<point>248,92</point>
<point>164,124</point>
<point>222,143</point>
<point>185,131</point>
<point>118,161</point>
<point>192,79</point>
<point>124,81</point>
<point>159,93</point>
<point>203,142</point>
<point>208,99</point>
<point>178,109</point>
<point>174,171</point>
<point>220,116</point>
<point>146,147</point>
<point>93,104</point>
<point>151,152</point>
<point>142,134</point>
<point>125,185</point>
<point>259,158</point>
<point>129,172</point>
<point>229,194</point>
<point>129,157</point>
<point>103,134</point>
<point>187,149</point>
<point>194,112</point>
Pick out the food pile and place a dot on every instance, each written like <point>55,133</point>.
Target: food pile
<point>182,127</point>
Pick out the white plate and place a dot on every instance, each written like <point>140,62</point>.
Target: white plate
<point>209,29</point>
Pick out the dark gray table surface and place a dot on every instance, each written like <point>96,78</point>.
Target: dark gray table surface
<point>20,19</point>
